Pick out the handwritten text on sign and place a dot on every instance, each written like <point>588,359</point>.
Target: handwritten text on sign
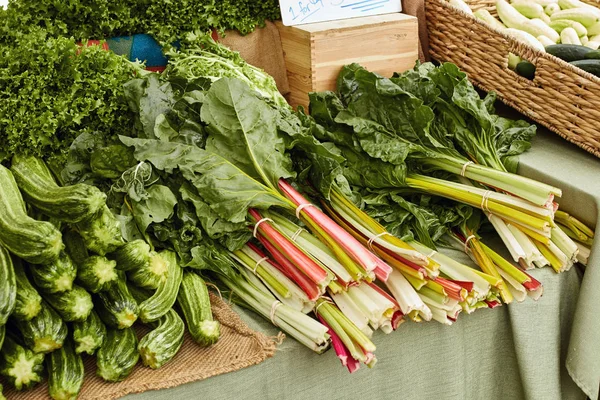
<point>296,12</point>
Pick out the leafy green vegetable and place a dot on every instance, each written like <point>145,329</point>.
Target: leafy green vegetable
<point>200,57</point>
<point>53,91</point>
<point>168,21</point>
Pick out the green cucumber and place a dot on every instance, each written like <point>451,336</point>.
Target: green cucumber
<point>194,302</point>
<point>593,55</point>
<point>97,273</point>
<point>591,66</point>
<point>72,305</point>
<point>8,286</point>
<point>116,307</point>
<point>69,203</point>
<point>89,334</point>
<point>165,296</point>
<point>55,277</point>
<point>29,301</point>
<point>118,355</point>
<point>44,333</point>
<point>37,242</point>
<point>568,52</point>
<point>21,367</point>
<point>65,373</point>
<point>526,69</point>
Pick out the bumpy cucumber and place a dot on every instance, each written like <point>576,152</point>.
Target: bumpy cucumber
<point>165,296</point>
<point>8,286</point>
<point>161,344</point>
<point>55,277</point>
<point>37,242</point>
<point>75,246</point>
<point>72,305</point>
<point>29,301</point>
<point>118,355</point>
<point>194,302</point>
<point>116,307</point>
<point>97,273</point>
<point>21,367</point>
<point>101,232</point>
<point>151,274</point>
<point>89,334</point>
<point>69,203</point>
<point>44,333</point>
<point>65,373</point>
<point>132,256</point>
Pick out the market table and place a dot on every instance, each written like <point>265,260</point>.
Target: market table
<point>531,350</point>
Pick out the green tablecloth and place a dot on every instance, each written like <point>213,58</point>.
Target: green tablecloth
<point>532,350</point>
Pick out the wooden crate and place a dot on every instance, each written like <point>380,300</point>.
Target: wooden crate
<point>314,53</point>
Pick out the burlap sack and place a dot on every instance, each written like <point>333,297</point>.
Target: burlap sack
<point>237,348</point>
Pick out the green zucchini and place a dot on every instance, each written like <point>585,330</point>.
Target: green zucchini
<point>591,66</point>
<point>37,242</point>
<point>101,232</point>
<point>116,307</point>
<point>526,69</point>
<point>21,367</point>
<point>55,277</point>
<point>118,355</point>
<point>194,302</point>
<point>8,286</point>
<point>89,334</point>
<point>75,246</point>
<point>151,274</point>
<point>134,255</point>
<point>161,344</point>
<point>44,333</point>
<point>97,273</point>
<point>72,305</point>
<point>65,373</point>
<point>1,392</point>
<point>165,296</point>
<point>568,52</point>
<point>29,301</point>
<point>69,203</point>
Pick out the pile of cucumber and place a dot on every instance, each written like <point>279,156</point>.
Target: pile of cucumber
<point>70,285</point>
<point>563,28</point>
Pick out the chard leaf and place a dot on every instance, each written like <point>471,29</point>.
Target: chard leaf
<point>111,161</point>
<point>243,130</point>
<point>235,234</point>
<point>229,191</point>
<point>155,208</point>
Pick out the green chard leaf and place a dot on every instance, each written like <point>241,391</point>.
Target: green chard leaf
<point>243,130</point>
<point>229,190</point>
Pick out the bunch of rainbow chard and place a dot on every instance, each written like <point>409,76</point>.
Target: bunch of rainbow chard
<point>430,132</point>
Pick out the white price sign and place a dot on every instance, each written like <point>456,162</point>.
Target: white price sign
<point>296,12</point>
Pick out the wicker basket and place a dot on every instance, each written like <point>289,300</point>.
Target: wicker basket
<point>561,97</point>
